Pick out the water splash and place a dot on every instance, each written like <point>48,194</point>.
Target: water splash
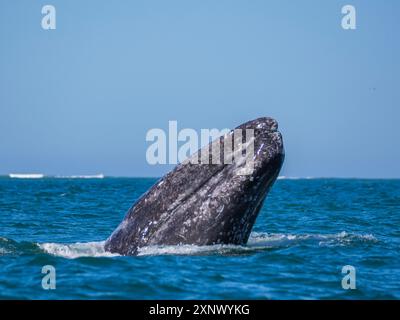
<point>263,241</point>
<point>76,250</point>
<point>257,242</point>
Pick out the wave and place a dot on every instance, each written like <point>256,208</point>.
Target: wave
<point>26,175</point>
<point>257,242</point>
<point>296,178</point>
<point>11,247</point>
<point>40,176</point>
<point>76,250</point>
<point>261,241</point>
<point>93,176</point>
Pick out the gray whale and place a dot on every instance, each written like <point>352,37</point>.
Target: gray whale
<point>204,204</point>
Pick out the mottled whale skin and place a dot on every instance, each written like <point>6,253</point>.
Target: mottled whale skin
<point>204,204</point>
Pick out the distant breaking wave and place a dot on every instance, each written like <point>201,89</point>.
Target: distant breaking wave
<point>295,178</point>
<point>26,175</point>
<point>93,176</point>
<point>40,176</point>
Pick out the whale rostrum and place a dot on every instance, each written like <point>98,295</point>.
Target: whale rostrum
<point>207,202</point>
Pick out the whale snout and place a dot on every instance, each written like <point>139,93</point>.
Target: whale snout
<point>244,194</point>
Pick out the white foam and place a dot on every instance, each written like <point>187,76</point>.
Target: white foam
<point>260,241</point>
<point>188,250</point>
<point>266,239</point>
<point>288,178</point>
<point>26,175</point>
<point>93,176</point>
<point>77,250</point>
<point>257,241</point>
<point>296,178</point>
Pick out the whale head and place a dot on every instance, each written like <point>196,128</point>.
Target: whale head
<point>213,197</point>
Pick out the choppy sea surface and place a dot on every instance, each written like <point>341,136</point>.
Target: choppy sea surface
<point>306,232</point>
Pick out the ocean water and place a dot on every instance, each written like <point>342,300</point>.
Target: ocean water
<point>306,232</point>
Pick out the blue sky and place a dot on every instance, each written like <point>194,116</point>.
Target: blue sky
<point>80,99</point>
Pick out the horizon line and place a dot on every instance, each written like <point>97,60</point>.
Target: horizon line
<point>102,176</point>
